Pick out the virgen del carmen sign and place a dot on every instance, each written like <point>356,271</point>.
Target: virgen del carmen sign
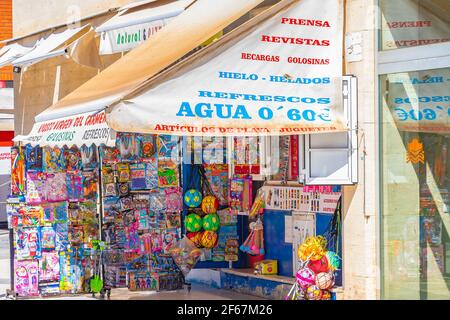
<point>80,129</point>
<point>281,76</point>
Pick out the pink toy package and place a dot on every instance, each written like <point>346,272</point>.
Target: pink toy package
<point>26,278</point>
<point>174,199</point>
<point>49,267</point>
<point>56,188</point>
<point>36,187</point>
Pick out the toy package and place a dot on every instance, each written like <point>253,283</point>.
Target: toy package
<point>240,194</point>
<point>138,181</point>
<point>124,189</point>
<point>128,145</point>
<point>60,211</point>
<point>33,158</point>
<point>109,155</point>
<point>28,244</point>
<point>185,254</point>
<point>167,174</point>
<point>56,189</point>
<point>148,148</point>
<point>75,188</point>
<point>174,199</point>
<point>124,173</point>
<point>48,238</point>
<point>36,187</point>
<point>49,267</point>
<point>168,148</point>
<point>61,236</point>
<point>145,243</point>
<point>72,158</point>
<point>158,201</point>
<point>53,159</point>
<point>18,167</point>
<point>111,206</point>
<point>90,181</point>
<point>151,174</point>
<point>89,157</point>
<point>31,216</point>
<point>26,278</point>
<point>217,175</point>
<point>142,280</point>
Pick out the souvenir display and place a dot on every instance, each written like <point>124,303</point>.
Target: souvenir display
<point>142,207</point>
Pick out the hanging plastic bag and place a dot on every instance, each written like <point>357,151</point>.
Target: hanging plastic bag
<point>185,254</point>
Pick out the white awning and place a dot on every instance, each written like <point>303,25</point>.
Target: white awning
<point>197,24</point>
<point>136,23</point>
<point>7,98</point>
<point>52,46</point>
<point>11,52</point>
<point>81,129</point>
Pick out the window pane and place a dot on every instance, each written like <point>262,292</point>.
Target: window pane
<point>410,23</point>
<point>415,184</point>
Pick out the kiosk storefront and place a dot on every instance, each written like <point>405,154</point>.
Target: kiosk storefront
<point>243,153</point>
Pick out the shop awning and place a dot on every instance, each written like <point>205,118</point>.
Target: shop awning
<point>202,20</point>
<point>81,129</point>
<point>275,75</point>
<point>11,52</point>
<point>137,22</point>
<point>54,45</point>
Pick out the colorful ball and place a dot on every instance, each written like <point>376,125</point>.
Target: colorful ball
<point>210,204</point>
<point>325,280</point>
<point>211,222</point>
<point>195,237</point>
<point>192,198</point>
<point>313,293</point>
<point>326,295</point>
<point>319,266</point>
<point>305,277</point>
<point>313,248</point>
<point>209,239</point>
<point>193,222</point>
<point>334,262</point>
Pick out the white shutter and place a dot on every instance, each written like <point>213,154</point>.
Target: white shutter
<point>332,158</point>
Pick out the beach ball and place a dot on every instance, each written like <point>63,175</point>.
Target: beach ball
<point>326,295</point>
<point>325,280</point>
<point>313,293</point>
<point>319,266</point>
<point>210,204</point>
<point>195,237</point>
<point>209,239</point>
<point>211,222</point>
<point>334,262</point>
<point>193,222</point>
<point>192,198</point>
<point>305,277</point>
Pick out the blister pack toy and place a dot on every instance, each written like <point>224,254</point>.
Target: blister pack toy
<point>90,181</point>
<point>167,174</point>
<point>75,187</point>
<point>109,155</point>
<point>128,145</point>
<point>158,201</point>
<point>36,187</point>
<point>174,199</point>
<point>124,174</point>
<point>151,174</point>
<point>72,158</point>
<point>33,158</point>
<point>61,236</point>
<point>168,148</point>
<point>18,168</point>
<point>28,243</point>
<point>148,148</point>
<point>49,267</point>
<point>56,188</point>
<point>89,157</point>
<point>48,238</point>
<point>26,275</point>
<point>138,181</point>
<point>53,159</point>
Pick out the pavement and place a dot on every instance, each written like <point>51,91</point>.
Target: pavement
<point>198,292</point>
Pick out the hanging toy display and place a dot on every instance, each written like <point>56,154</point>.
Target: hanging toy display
<point>316,278</point>
<point>258,204</point>
<point>193,222</point>
<point>192,197</point>
<point>17,171</point>
<point>254,244</point>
